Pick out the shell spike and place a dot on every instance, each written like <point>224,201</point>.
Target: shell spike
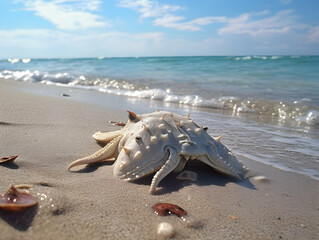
<point>145,127</point>
<point>165,136</point>
<point>132,116</point>
<point>153,139</point>
<point>126,150</point>
<point>218,138</point>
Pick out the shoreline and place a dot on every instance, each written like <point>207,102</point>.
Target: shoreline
<point>49,131</point>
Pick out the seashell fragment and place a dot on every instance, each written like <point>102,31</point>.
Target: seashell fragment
<point>166,230</point>
<point>187,175</point>
<point>260,178</point>
<point>7,159</point>
<point>23,186</point>
<point>15,200</point>
<point>164,209</point>
<point>121,124</point>
<point>233,217</point>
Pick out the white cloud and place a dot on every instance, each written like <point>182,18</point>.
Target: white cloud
<point>280,23</point>
<point>163,15</point>
<point>246,34</point>
<point>313,35</point>
<point>149,8</point>
<point>68,14</point>
<point>172,21</point>
<point>92,5</point>
<point>254,24</point>
<point>22,43</point>
<point>46,43</point>
<point>285,2</point>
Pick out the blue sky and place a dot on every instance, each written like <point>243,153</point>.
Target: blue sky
<point>119,28</point>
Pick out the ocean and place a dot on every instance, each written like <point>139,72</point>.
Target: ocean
<point>267,107</point>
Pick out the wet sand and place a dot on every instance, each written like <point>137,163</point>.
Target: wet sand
<point>49,131</point>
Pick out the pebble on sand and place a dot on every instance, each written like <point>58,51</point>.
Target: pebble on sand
<point>166,230</point>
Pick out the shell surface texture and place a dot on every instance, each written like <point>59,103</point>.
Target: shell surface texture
<point>159,143</point>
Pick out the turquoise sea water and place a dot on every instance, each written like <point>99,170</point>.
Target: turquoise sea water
<point>268,105</point>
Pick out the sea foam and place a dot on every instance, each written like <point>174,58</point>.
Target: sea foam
<point>297,111</point>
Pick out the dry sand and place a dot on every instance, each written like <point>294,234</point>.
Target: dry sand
<point>49,131</point>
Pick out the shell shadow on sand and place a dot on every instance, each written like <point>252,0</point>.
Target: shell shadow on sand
<point>8,162</point>
<point>18,208</point>
<point>10,165</point>
<point>20,220</point>
<point>93,167</point>
<point>206,177</point>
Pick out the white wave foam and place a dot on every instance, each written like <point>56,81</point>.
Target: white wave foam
<point>268,160</point>
<point>282,111</point>
<point>37,76</point>
<point>16,60</point>
<point>258,57</point>
<point>243,58</point>
<point>26,60</point>
<point>13,60</point>
<point>311,118</point>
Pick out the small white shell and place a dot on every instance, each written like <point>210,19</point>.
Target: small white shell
<point>260,178</point>
<point>166,230</point>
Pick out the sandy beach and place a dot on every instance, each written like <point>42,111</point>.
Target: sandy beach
<point>48,131</point>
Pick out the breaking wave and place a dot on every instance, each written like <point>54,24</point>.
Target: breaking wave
<point>299,111</point>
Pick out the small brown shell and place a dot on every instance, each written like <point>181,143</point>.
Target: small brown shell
<point>164,209</point>
<point>7,159</point>
<point>15,200</point>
